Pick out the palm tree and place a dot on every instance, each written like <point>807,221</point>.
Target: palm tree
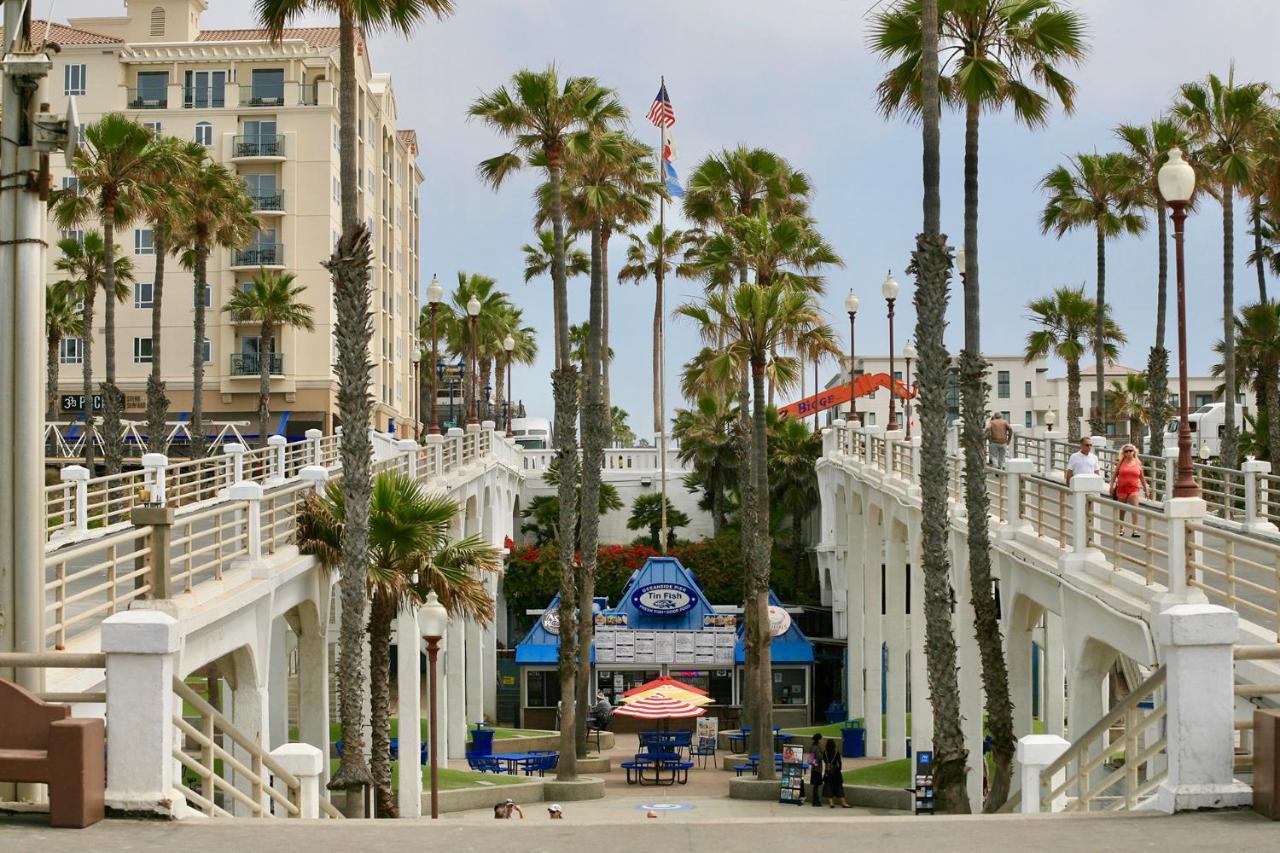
<point>218,214</point>
<point>84,267</point>
<point>1127,400</point>
<point>1222,118</point>
<point>525,352</point>
<point>709,446</point>
<point>349,267</point>
<point>409,535</point>
<point>491,325</point>
<point>757,322</point>
<point>794,450</point>
<point>1148,150</point>
<point>1068,322</point>
<point>653,255</point>
<point>273,302</point>
<point>623,435</point>
<point>1094,191</point>
<point>646,514</point>
<point>115,172</point>
<point>1257,331</point>
<point>542,117</point>
<point>1264,191</point>
<point>539,258</point>
<point>61,320</point>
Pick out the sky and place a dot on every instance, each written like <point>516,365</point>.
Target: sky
<point>797,78</point>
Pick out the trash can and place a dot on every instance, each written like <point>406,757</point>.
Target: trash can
<point>853,740</point>
<point>836,712</point>
<point>481,740</point>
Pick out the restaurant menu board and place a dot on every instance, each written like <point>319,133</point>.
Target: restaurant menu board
<point>924,782</point>
<point>706,648</point>
<point>664,647</point>
<point>794,767</point>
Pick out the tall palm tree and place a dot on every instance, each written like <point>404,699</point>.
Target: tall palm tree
<point>539,258</point>
<point>757,322</point>
<point>1264,192</point>
<point>491,326</point>
<point>83,264</point>
<point>543,118</point>
<point>1068,323</point>
<point>62,320</point>
<point>654,254</point>
<point>793,451</point>
<point>1094,191</point>
<point>1127,400</point>
<point>709,447</point>
<point>349,268</point>
<point>525,352</point>
<point>115,173</point>
<point>273,302</point>
<point>1257,330</point>
<point>1222,118</point>
<point>409,535</point>
<point>1148,149</point>
<point>218,214</point>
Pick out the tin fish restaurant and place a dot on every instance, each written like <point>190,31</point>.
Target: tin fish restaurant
<point>664,625</point>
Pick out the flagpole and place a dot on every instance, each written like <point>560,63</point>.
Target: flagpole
<point>662,332</point>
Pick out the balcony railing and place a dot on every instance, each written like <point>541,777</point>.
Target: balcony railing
<point>268,201</point>
<point>259,255</point>
<point>259,145</point>
<point>250,363</point>
<point>148,99</point>
<point>203,97</point>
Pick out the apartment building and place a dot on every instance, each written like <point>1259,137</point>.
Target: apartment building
<point>270,113</point>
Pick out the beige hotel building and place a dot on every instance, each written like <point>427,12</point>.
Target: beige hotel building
<point>270,113</point>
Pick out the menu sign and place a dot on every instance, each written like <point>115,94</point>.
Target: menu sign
<point>665,647</point>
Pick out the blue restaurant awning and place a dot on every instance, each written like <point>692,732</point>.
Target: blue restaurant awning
<point>789,647</point>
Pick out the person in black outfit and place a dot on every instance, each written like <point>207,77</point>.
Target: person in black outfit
<point>832,778</point>
<point>815,769</point>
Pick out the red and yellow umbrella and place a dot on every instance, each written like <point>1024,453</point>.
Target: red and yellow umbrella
<point>656,706</point>
<point>671,689</point>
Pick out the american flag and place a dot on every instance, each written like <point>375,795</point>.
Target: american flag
<point>661,113</point>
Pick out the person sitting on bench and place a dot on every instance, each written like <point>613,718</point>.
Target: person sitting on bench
<point>601,713</point>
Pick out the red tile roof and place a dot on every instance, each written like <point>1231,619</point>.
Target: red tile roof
<point>409,138</point>
<point>314,36</point>
<point>61,34</point>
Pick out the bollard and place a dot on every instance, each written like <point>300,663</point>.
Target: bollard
<point>251,493</point>
<point>277,444</point>
<point>79,476</point>
<point>313,439</point>
<point>160,520</point>
<point>234,454</point>
<point>306,763</point>
<point>317,475</point>
<point>154,464</point>
<point>1034,754</point>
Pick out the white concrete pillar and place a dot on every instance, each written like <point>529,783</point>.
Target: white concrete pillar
<point>873,633</point>
<point>895,631</point>
<point>409,710</point>
<point>313,680</point>
<point>921,706</point>
<point>856,608</point>
<point>278,684</point>
<point>252,494</point>
<point>317,475</point>
<point>1082,537</point>
<point>1170,470</point>
<point>435,454</point>
<point>153,468</point>
<point>1196,642</point>
<point>490,640</point>
<point>277,444</point>
<point>1014,471</point>
<point>1253,521</point>
<point>234,455</point>
<point>1055,685</point>
<point>1018,641</point>
<point>306,763</point>
<point>1034,753</point>
<point>409,448</point>
<point>141,647</point>
<point>78,476</point>
<point>249,710</point>
<point>455,668</point>
<point>1177,511</point>
<point>313,441</point>
<point>970,663</point>
<point>476,653</point>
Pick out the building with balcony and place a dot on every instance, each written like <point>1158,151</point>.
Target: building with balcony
<point>270,113</point>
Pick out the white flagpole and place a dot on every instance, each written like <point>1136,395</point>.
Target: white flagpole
<point>662,331</point>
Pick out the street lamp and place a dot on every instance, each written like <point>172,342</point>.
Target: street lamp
<point>1177,181</point>
<point>908,353</point>
<point>890,291</point>
<point>417,387</point>
<point>473,311</point>
<point>851,305</point>
<point>433,619</point>
<point>1050,419</point>
<point>509,344</point>
<point>435,293</point>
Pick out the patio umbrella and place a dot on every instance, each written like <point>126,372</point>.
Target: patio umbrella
<point>656,706</point>
<point>670,688</point>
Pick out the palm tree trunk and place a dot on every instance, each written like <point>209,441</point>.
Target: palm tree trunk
<point>500,388</point>
<point>657,349</point>
<point>564,387</point>
<point>201,269</point>
<point>112,436</point>
<point>264,381</point>
<point>605,234</point>
<point>382,613</point>
<point>747,532</point>
<point>1158,359</point>
<point>157,402</point>
<point>1098,412</point>
<point>973,399</point>
<point>51,375</point>
<point>86,371</point>
<point>486,376</point>
<point>1273,420</point>
<point>1073,401</point>
<point>1230,433</point>
<point>1257,248</point>
<point>762,548</point>
<point>593,432</point>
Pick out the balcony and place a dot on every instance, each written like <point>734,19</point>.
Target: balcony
<point>203,97</point>
<point>259,255</point>
<point>250,363</point>
<point>260,146</point>
<point>264,202</point>
<point>148,99</point>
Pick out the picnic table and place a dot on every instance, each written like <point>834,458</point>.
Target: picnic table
<point>738,740</point>
<point>516,762</point>
<point>657,768</point>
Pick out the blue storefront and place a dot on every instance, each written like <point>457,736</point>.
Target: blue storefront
<point>664,625</point>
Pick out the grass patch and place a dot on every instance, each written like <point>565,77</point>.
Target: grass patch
<point>450,780</point>
<point>889,774</point>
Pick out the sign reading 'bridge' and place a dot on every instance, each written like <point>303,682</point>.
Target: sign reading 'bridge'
<point>664,599</point>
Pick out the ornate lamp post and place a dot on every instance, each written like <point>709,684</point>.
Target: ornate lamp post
<point>1177,181</point>
<point>435,293</point>
<point>908,353</point>
<point>473,311</point>
<point>890,292</point>
<point>417,387</point>
<point>509,344</point>
<point>434,619</point>
<point>851,305</point>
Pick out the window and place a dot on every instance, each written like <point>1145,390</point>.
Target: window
<point>337,191</point>
<point>80,133</point>
<point>207,352</point>
<point>204,134</point>
<point>71,351</point>
<point>143,294</point>
<point>204,89</point>
<point>202,297</point>
<point>73,77</point>
<point>71,182</point>
<point>1002,384</point>
<point>1026,387</point>
<point>142,242</point>
<point>153,126</point>
<point>153,90</point>
<point>337,136</point>
<point>267,87</point>
<point>1026,421</point>
<point>142,350</point>
<point>1005,415</point>
<point>542,688</point>
<point>76,234</point>
<point>789,686</point>
<point>157,21</point>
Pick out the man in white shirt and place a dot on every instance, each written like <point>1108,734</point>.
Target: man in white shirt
<point>1083,461</point>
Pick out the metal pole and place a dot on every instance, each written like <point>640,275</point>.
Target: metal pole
<point>853,397</point>
<point>510,399</point>
<point>906,403</point>
<point>433,650</point>
<point>815,390</point>
<point>1185,487</point>
<point>435,372</point>
<point>662,342</point>
<point>893,412</point>
<point>473,379</point>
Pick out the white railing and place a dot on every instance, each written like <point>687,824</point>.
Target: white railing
<point>88,582</point>
<point>205,542</point>
<point>1131,537</point>
<point>1237,571</point>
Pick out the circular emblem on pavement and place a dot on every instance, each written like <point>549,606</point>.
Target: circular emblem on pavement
<point>666,807</point>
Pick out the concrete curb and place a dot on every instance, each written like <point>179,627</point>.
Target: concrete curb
<point>584,788</point>
<point>595,764</point>
<point>543,742</point>
<point>465,799</point>
<point>751,788</point>
<point>875,797</point>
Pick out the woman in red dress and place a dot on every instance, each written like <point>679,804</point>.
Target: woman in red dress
<point>1129,483</point>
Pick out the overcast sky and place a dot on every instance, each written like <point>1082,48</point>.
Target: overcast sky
<point>797,78</point>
